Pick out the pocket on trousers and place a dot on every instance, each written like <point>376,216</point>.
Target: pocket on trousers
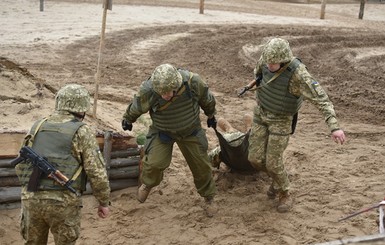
<point>165,138</point>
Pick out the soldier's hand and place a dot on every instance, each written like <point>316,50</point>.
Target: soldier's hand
<point>212,122</point>
<point>126,125</point>
<point>243,90</point>
<point>103,212</point>
<point>338,136</point>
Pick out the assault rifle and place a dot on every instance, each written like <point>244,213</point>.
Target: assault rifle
<point>246,88</point>
<point>41,166</point>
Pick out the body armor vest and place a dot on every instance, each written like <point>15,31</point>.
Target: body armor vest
<point>274,96</point>
<point>53,141</point>
<point>181,116</point>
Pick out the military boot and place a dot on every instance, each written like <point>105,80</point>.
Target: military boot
<point>285,202</point>
<point>224,125</point>
<point>271,192</point>
<point>210,207</point>
<point>143,192</point>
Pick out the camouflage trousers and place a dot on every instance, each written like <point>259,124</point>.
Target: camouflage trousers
<point>214,157</point>
<point>268,140</point>
<point>39,216</point>
<point>157,157</point>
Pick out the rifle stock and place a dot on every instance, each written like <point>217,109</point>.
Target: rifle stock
<point>42,166</point>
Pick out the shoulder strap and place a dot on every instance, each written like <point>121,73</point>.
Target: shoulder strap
<point>28,140</point>
<point>180,91</point>
<point>279,72</point>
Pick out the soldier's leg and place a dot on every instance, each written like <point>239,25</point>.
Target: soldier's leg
<point>34,229</point>
<point>274,160</point>
<point>64,219</point>
<point>257,146</point>
<point>194,149</point>
<point>157,157</point>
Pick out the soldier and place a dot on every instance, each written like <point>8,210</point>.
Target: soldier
<point>174,97</point>
<point>282,84</point>
<point>70,146</point>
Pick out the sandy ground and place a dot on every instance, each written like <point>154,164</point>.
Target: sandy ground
<point>41,51</point>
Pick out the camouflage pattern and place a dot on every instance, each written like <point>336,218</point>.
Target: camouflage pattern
<point>86,150</point>
<point>303,84</point>
<point>166,78</point>
<point>214,153</point>
<point>64,221</point>
<point>270,132</point>
<point>158,153</point>
<point>73,98</point>
<point>268,140</point>
<point>277,51</point>
<point>147,100</point>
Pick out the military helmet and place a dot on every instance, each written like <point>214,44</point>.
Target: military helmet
<point>73,98</point>
<point>166,78</point>
<point>277,51</point>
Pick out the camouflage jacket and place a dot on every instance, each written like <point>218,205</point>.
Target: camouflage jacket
<point>86,150</point>
<point>147,99</point>
<point>303,84</point>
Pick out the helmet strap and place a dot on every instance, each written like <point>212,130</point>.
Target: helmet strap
<point>79,116</point>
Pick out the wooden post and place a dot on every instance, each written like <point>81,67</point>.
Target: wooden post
<point>201,6</point>
<point>41,5</point>
<point>106,6</point>
<point>362,6</point>
<point>107,149</point>
<point>323,6</point>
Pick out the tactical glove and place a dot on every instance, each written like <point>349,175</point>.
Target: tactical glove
<point>212,122</point>
<point>126,125</point>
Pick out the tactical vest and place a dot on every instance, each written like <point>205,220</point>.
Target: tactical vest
<point>181,116</point>
<point>53,141</point>
<point>274,95</point>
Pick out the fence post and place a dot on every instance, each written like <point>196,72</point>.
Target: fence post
<point>323,6</point>
<point>362,6</point>
<point>201,6</point>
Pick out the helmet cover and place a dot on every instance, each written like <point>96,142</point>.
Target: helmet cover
<point>73,98</point>
<point>166,78</point>
<point>277,51</point>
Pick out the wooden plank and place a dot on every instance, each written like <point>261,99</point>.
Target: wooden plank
<point>124,162</point>
<point>124,173</point>
<point>7,172</point>
<point>6,163</point>
<point>10,144</point>
<point>9,181</point>
<point>10,194</point>
<point>126,153</point>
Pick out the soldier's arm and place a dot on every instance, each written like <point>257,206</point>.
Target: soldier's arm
<point>140,104</point>
<point>87,150</point>
<point>304,84</point>
<point>206,99</point>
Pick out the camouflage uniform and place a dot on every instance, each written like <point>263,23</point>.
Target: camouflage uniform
<point>214,153</point>
<point>60,210</point>
<point>270,131</point>
<point>176,121</point>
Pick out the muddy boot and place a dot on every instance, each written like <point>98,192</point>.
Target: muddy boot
<point>271,192</point>
<point>143,192</point>
<point>285,202</point>
<point>210,207</point>
<point>224,125</point>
